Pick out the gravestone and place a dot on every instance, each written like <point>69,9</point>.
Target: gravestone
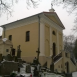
<point>18,52</point>
<point>12,51</point>
<point>28,69</point>
<point>8,57</point>
<point>13,58</point>
<point>36,72</point>
<point>52,67</point>
<point>19,60</point>
<point>35,61</point>
<point>0,57</point>
<point>6,67</point>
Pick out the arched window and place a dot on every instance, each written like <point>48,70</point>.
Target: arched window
<point>53,33</point>
<point>54,49</point>
<point>10,37</point>
<point>28,36</point>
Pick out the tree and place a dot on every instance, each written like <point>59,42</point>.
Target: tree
<point>69,44</point>
<point>75,49</point>
<point>71,6</point>
<point>6,5</point>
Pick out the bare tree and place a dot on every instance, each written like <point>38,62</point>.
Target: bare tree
<point>69,44</point>
<point>6,5</point>
<point>71,6</point>
<point>75,49</point>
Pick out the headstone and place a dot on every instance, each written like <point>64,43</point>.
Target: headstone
<point>13,52</point>
<point>18,52</point>
<point>19,60</point>
<point>13,58</point>
<point>35,61</point>
<point>18,69</point>
<point>11,49</point>
<point>52,67</point>
<point>7,67</point>
<point>8,57</point>
<point>36,73</point>
<point>28,69</point>
<point>0,57</point>
<point>38,67</point>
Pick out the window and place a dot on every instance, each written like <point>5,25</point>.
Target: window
<point>53,33</point>
<point>10,37</point>
<point>28,36</point>
<point>7,50</point>
<point>66,54</point>
<point>58,66</point>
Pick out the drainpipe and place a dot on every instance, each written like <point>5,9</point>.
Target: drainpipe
<point>39,32</point>
<point>3,31</point>
<point>38,52</point>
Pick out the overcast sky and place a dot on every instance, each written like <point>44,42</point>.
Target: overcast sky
<point>20,11</point>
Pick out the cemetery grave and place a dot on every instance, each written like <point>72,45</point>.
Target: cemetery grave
<point>13,66</point>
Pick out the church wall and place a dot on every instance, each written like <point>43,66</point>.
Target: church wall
<point>57,39</point>
<point>54,39</point>
<point>28,48</point>
<point>58,66</point>
<point>47,40</point>
<point>73,67</point>
<point>5,52</point>
<point>60,42</point>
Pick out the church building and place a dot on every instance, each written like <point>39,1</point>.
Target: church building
<point>41,32</point>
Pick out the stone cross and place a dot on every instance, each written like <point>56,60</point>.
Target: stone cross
<point>38,52</point>
<point>18,52</point>
<point>11,49</point>
<point>51,6</point>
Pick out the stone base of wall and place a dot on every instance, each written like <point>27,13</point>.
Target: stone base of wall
<point>42,60</point>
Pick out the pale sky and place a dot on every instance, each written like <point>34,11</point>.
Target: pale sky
<point>20,11</point>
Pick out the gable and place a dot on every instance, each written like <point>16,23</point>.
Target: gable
<point>53,16</point>
<point>53,19</point>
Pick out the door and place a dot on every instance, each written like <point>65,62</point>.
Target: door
<point>54,49</point>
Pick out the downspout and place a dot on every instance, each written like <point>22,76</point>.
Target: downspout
<point>39,32</point>
<point>3,31</point>
<point>38,52</point>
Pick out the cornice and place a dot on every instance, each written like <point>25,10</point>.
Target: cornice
<point>21,23</point>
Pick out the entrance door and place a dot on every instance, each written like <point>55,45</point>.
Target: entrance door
<point>67,67</point>
<point>54,49</point>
